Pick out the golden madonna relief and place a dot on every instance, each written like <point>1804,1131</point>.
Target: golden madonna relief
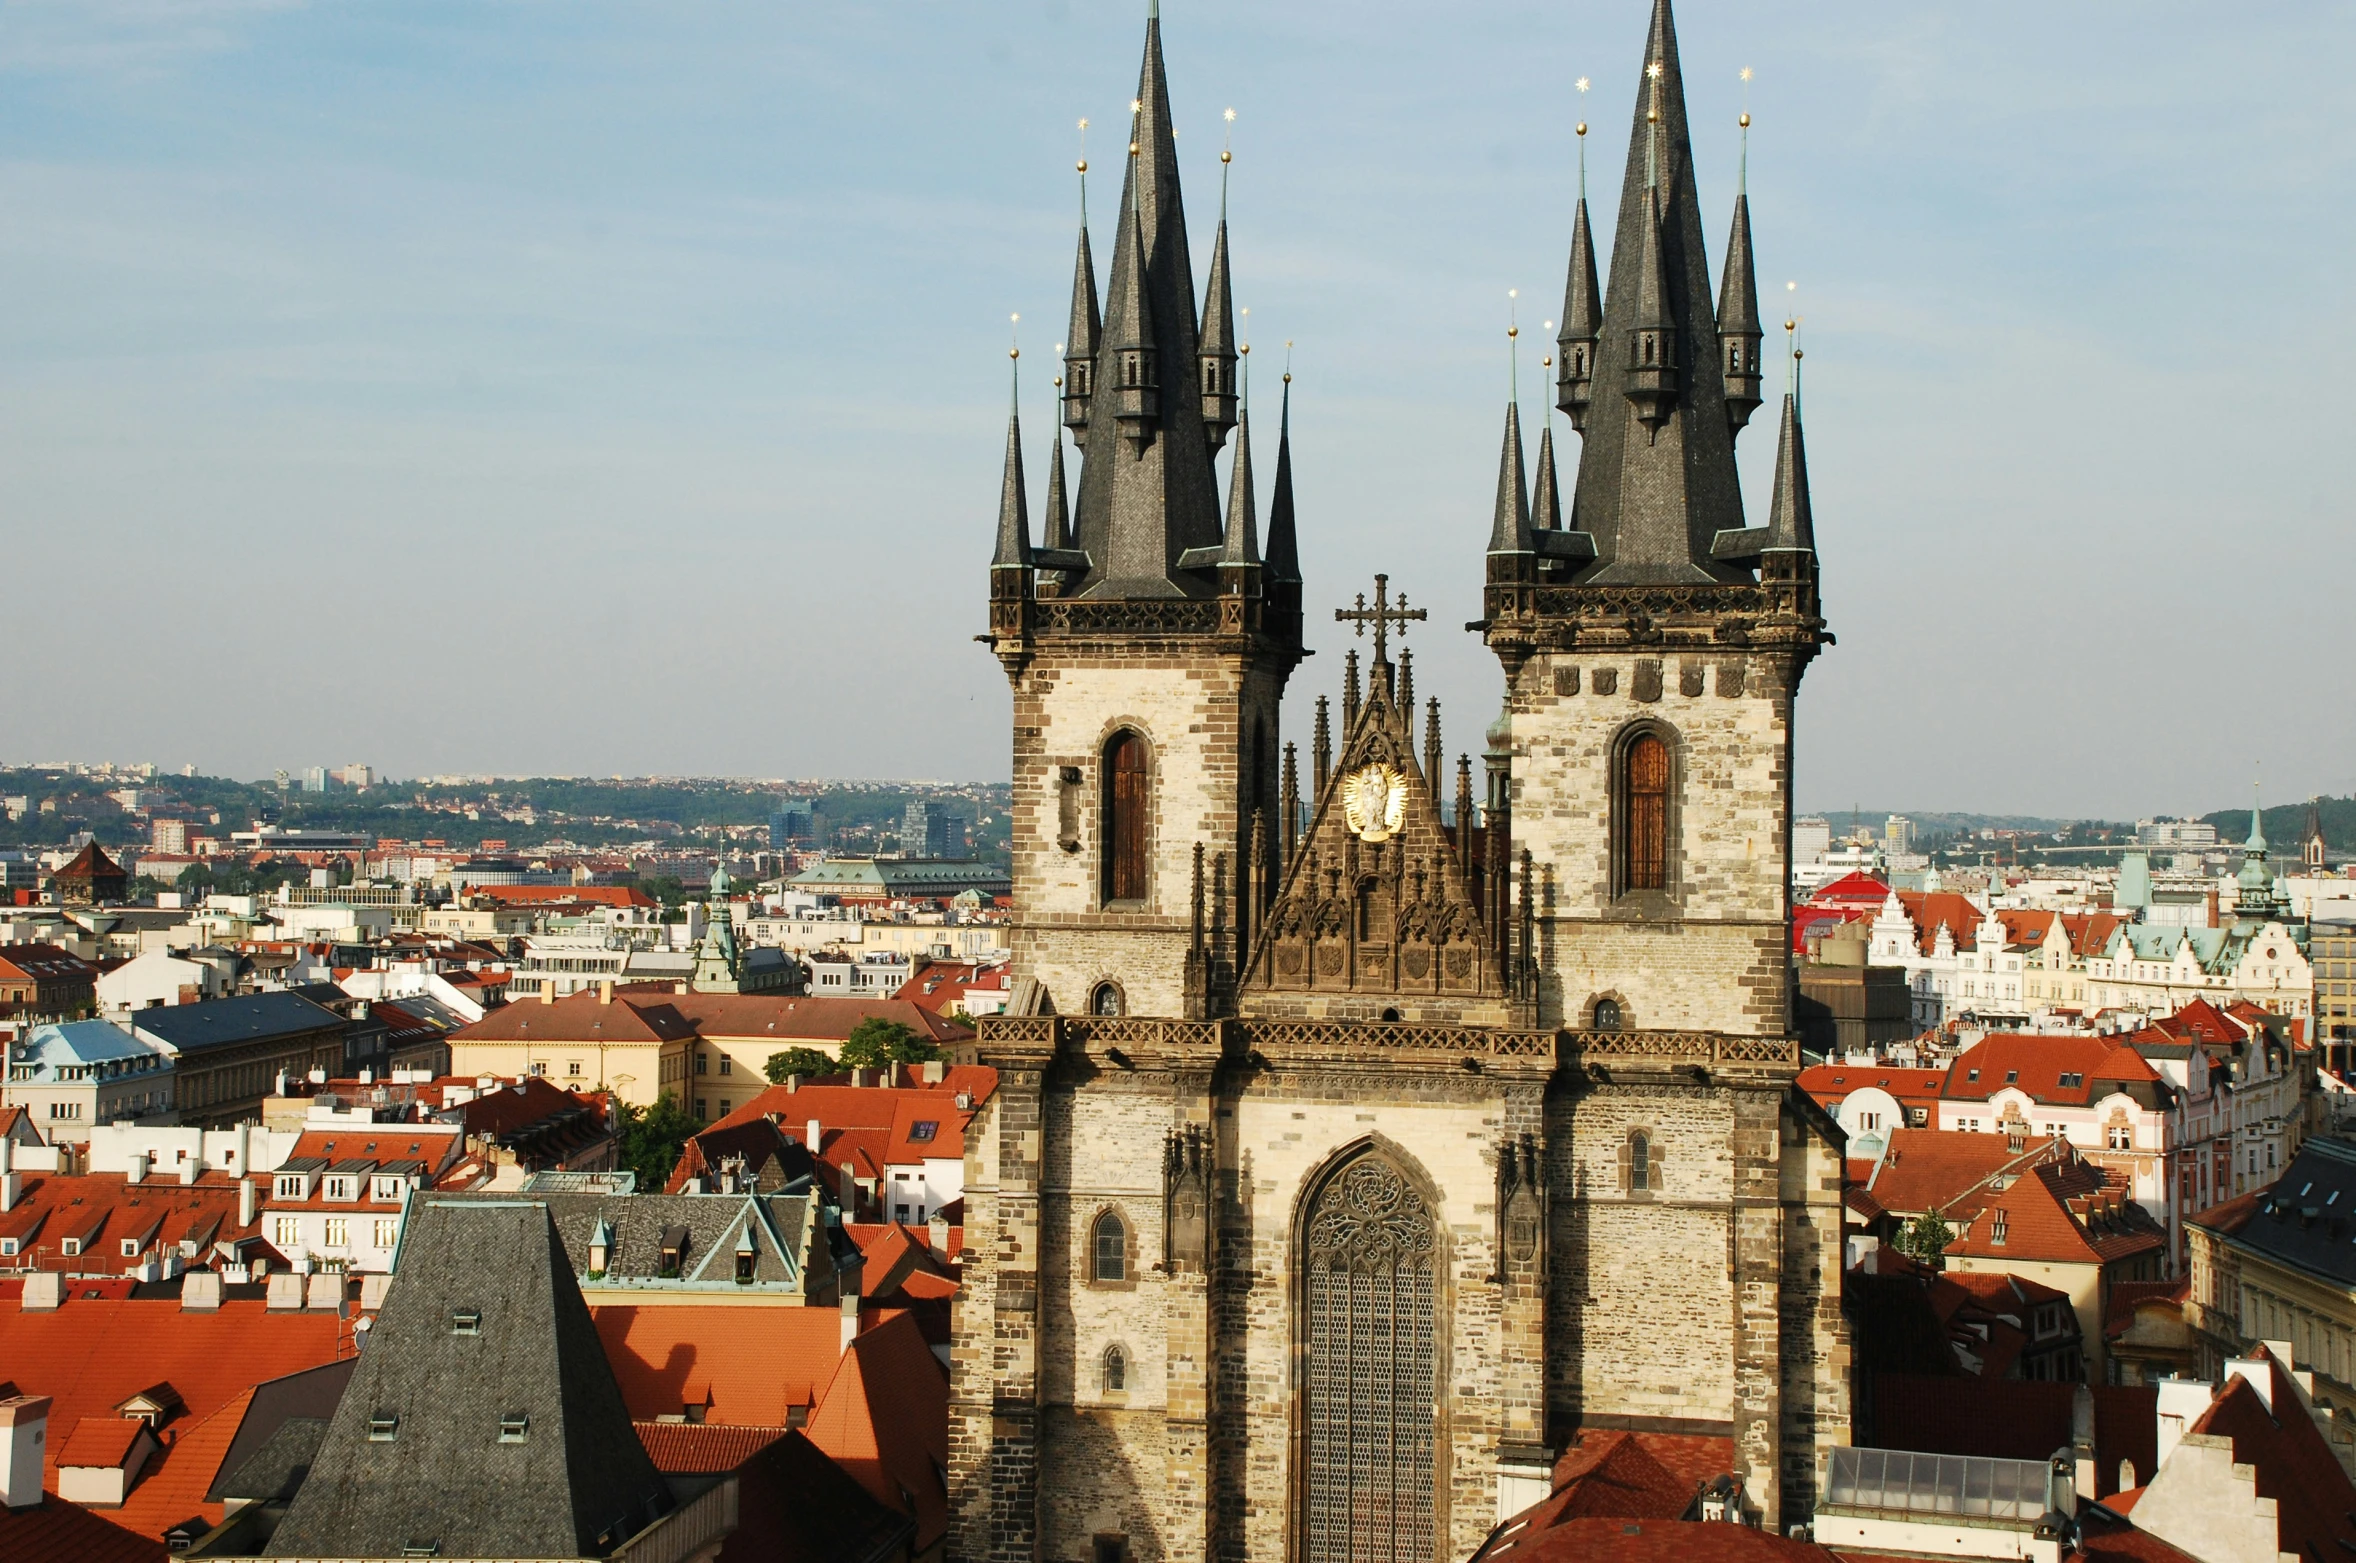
<point>1374,801</point>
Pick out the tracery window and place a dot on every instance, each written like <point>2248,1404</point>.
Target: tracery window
<point>1109,1248</point>
<point>1124,817</point>
<point>1372,1371</point>
<point>1641,837</point>
<point>1116,1370</point>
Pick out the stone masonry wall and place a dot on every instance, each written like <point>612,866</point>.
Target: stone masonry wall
<point>1202,710</point>
<point>1715,960</point>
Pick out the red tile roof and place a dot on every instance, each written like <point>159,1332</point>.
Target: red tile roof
<point>101,1208</point>
<point>76,1356</point>
<point>1831,1084</point>
<point>2126,1297</point>
<point>44,963</point>
<point>885,1420</point>
<point>745,1365</point>
<point>901,1261</point>
<point>1651,1541</point>
<point>2096,1066</point>
<point>1855,889</point>
<point>2060,1213</point>
<point>540,895</point>
<point>700,1448</point>
<point>100,1440</point>
<point>60,1532</point>
<point>1936,909</point>
<point>1947,1170</point>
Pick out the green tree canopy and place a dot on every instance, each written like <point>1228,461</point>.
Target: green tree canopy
<point>652,1138</point>
<point>808,1062</point>
<point>1924,1239</point>
<point>875,1043</point>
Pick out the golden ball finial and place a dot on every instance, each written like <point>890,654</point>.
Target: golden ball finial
<point>1057,382</point>
<point>1288,377</point>
<point>1744,121</point>
<point>1132,149</point>
<point>1582,127</point>
<point>1245,348</point>
<point>1082,165</point>
<point>1652,116</point>
<point>1014,352</point>
<point>1226,156</point>
<point>1547,362</point>
<point>1790,324</point>
<point>1513,331</point>
<point>1799,352</point>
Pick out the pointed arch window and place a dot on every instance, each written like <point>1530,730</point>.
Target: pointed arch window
<point>1371,1401</point>
<point>1116,1370</point>
<point>1108,1245</point>
<point>1125,796</point>
<point>1642,790</point>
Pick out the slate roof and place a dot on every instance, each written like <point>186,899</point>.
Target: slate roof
<point>576,1483</point>
<point>2307,1219</point>
<point>45,963</point>
<point>254,1017</point>
<point>714,1225</point>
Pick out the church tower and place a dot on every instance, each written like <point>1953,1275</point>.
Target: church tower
<point>1149,641</point>
<point>1652,648</point>
<point>1353,1155</point>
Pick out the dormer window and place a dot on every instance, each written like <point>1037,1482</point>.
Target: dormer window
<point>291,1187</point>
<point>515,1428</point>
<point>71,1247</point>
<point>384,1427</point>
<point>130,1248</point>
<point>466,1321</point>
<point>922,1131</point>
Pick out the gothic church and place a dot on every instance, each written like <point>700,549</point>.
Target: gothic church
<point>1357,1144</point>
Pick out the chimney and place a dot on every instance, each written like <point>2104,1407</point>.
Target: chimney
<point>248,1202</point>
<point>548,990</point>
<point>850,1318</point>
<point>933,1071</point>
<point>24,1436</point>
<point>812,1133</point>
<point>7,1154</point>
<point>605,990</point>
<point>936,1233</point>
<point>190,1169</point>
<point>200,1291</point>
<point>135,1170</point>
<point>12,1188</point>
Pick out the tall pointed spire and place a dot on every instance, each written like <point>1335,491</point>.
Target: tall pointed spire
<point>1546,504</point>
<point>1582,313</point>
<point>1510,532</point>
<point>1057,526</point>
<point>1738,304</point>
<point>1082,335</point>
<point>1217,353</point>
<point>1657,480</point>
<point>1145,502</point>
<point>1239,552</point>
<point>1014,526</point>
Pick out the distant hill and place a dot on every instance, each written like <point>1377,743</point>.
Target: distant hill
<point>2286,825</point>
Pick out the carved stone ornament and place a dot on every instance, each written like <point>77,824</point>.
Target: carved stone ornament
<point>1187,1189</point>
<point>1369,1219</point>
<point>1374,801</point>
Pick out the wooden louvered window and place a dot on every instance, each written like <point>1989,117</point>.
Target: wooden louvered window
<point>1644,814</point>
<point>1372,1365</point>
<point>1124,817</point>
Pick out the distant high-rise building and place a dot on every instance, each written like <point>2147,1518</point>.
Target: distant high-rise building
<point>170,835</point>
<point>315,779</point>
<point>1898,834</point>
<point>928,830</point>
<point>796,820</point>
<point>1811,839</point>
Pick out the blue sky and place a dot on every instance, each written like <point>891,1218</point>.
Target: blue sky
<point>586,387</point>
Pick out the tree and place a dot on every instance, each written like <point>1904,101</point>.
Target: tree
<point>652,1138</point>
<point>808,1062</point>
<point>875,1043</point>
<point>1925,1239</point>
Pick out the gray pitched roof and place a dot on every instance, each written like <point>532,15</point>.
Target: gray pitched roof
<point>256,1017</point>
<point>574,1483</point>
<point>713,1225</point>
<point>2306,1219</point>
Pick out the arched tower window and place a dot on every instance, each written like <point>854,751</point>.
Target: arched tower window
<point>1124,817</point>
<point>1108,1245</point>
<point>1641,839</point>
<point>1607,1015</point>
<point>1372,1371</point>
<point>1106,1000</point>
<point>1116,1370</point>
<point>1639,1162</point>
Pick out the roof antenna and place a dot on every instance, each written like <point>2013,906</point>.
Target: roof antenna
<point>1243,350</point>
<point>1226,157</point>
<point>1513,351</point>
<point>1652,136</point>
<point>1083,167</point>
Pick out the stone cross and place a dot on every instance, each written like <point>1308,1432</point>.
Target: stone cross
<point>1382,616</point>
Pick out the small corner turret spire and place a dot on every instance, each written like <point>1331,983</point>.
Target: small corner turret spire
<point>1510,532</point>
<point>1013,556</point>
<point>1582,311</point>
<point>1791,523</point>
<point>1215,351</point>
<point>1239,553</point>
<point>1652,333</point>
<point>1738,301</point>
<point>1546,503</point>
<point>1129,337</point>
<point>1087,323</point>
